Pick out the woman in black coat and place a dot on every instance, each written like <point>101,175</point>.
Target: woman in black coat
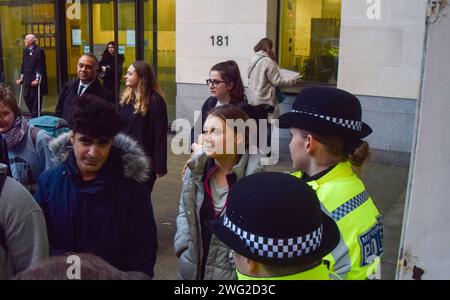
<point>143,109</point>
<point>107,67</point>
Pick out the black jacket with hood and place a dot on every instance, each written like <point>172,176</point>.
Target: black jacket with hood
<point>110,216</point>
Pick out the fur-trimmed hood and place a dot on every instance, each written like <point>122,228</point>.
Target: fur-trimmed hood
<point>136,164</point>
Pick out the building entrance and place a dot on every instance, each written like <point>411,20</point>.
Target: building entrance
<point>141,30</point>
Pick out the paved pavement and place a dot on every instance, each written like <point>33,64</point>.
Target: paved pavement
<point>386,184</point>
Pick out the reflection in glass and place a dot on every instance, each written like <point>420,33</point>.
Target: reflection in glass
<point>18,18</point>
<point>165,47</point>
<point>103,28</point>
<point>127,34</point>
<point>75,48</point>
<point>309,38</point>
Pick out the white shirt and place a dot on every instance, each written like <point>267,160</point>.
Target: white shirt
<point>86,85</point>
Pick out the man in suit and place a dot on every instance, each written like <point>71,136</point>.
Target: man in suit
<point>33,74</point>
<point>86,83</point>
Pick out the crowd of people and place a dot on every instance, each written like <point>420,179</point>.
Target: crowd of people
<point>87,192</point>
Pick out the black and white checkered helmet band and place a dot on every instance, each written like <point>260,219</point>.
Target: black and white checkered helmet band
<point>278,248</point>
<point>350,124</point>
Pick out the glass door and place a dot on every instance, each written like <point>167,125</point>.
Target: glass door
<point>103,23</point>
<point>77,34</point>
<point>160,16</point>
<point>309,39</point>
<point>126,23</point>
<point>145,30</point>
<point>17,19</point>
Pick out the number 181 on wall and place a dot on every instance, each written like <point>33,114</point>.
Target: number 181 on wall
<point>219,40</point>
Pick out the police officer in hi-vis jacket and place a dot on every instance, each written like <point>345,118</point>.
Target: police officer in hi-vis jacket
<point>327,141</point>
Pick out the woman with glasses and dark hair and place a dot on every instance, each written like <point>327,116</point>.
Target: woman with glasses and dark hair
<point>225,86</point>
<point>107,67</point>
<point>144,111</point>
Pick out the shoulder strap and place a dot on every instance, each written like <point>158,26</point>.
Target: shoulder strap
<point>34,133</point>
<point>2,231</point>
<point>260,57</point>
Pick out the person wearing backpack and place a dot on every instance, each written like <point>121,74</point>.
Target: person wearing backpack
<point>28,150</point>
<point>23,233</point>
<point>52,125</point>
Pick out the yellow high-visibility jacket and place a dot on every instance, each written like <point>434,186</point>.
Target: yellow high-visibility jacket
<point>317,273</point>
<point>343,197</point>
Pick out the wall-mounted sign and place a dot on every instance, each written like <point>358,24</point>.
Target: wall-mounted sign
<point>219,40</point>
<point>131,38</point>
<point>121,49</point>
<point>76,37</point>
<point>86,49</point>
<point>224,37</point>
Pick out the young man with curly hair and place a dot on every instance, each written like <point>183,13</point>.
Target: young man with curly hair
<point>94,201</point>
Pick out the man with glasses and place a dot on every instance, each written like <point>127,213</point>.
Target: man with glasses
<point>86,83</point>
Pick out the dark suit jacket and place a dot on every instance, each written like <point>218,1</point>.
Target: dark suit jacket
<point>150,131</point>
<point>69,93</point>
<point>32,64</point>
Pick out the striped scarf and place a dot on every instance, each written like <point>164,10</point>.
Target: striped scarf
<point>15,135</point>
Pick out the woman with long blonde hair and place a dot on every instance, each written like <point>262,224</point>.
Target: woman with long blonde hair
<point>144,111</point>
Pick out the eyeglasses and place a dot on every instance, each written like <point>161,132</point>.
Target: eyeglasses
<point>214,82</point>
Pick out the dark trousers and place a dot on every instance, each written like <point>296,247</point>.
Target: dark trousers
<point>30,96</point>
